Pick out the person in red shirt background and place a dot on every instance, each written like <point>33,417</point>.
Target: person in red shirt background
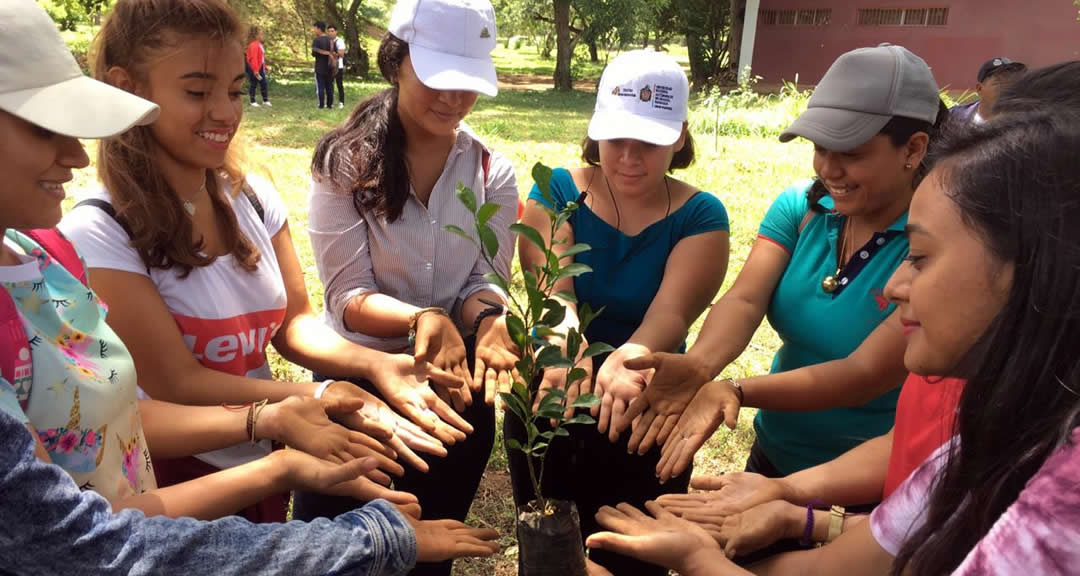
<point>255,64</point>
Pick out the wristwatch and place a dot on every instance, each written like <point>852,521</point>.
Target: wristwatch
<point>738,389</point>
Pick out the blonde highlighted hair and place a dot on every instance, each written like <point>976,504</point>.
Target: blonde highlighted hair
<point>152,211</point>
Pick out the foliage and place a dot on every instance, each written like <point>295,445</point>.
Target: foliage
<point>743,111</point>
<point>69,14</point>
<point>531,322</point>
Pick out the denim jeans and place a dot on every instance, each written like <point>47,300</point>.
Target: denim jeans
<point>47,526</point>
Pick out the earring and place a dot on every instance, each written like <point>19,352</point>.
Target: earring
<point>907,166</point>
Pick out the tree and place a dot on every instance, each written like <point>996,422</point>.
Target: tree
<point>738,17</point>
<point>349,22</point>
<point>705,24</point>
<point>564,50</point>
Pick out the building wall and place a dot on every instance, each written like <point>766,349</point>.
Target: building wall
<point>1036,32</point>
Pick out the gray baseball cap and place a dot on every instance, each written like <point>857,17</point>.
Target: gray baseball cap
<point>861,92</point>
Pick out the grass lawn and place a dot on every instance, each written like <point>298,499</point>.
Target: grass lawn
<point>743,164</point>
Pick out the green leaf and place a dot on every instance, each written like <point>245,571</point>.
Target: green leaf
<point>467,197</point>
<point>512,444</point>
<point>556,313</point>
<point>542,176</point>
<point>539,448</point>
<point>567,296</point>
<point>549,356</point>
<point>530,234</point>
<point>513,404</point>
<point>585,401</point>
<point>552,396</point>
<point>560,431</point>
<point>553,411</point>
<point>546,332</point>
<point>597,348</point>
<point>575,250</point>
<point>497,280</point>
<point>581,419</point>
<point>457,230</point>
<point>516,328</point>
<point>571,270</point>
<point>573,343</point>
<point>576,375</point>
<point>490,240</point>
<point>486,212</point>
<point>548,435</point>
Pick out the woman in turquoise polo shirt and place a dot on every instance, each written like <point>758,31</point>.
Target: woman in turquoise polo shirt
<point>662,242</point>
<point>824,253</point>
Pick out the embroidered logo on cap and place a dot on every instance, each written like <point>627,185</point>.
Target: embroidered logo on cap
<point>484,33</point>
<point>615,91</point>
<point>646,94</point>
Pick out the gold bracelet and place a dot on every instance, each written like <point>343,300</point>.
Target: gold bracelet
<point>738,389</point>
<point>836,522</point>
<point>416,318</point>
<point>253,418</point>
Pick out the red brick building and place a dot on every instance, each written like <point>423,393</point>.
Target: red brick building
<point>954,36</point>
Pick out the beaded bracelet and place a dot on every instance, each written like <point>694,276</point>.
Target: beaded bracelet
<point>808,532</point>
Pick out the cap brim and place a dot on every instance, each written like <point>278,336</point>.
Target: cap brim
<point>441,71</point>
<point>835,129</point>
<point>617,124</point>
<point>80,107</point>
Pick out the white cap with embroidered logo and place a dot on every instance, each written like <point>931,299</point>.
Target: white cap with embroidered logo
<point>45,86</point>
<point>450,42</point>
<point>642,96</point>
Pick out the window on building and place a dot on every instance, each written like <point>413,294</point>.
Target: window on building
<point>819,17</point>
<point>903,16</point>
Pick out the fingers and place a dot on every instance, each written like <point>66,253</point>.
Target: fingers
<point>361,439</point>
<point>479,374</point>
<point>646,362</point>
<point>605,412</point>
<point>379,477</point>
<point>731,415</point>
<point>411,510</point>
<point>415,438</point>
<point>594,569</point>
<point>342,405</point>
<point>449,416</point>
<point>638,406</point>
<point>641,427</point>
<point>370,426</point>
<point>668,427</point>
<point>502,381</point>
<point>441,377</point>
<point>618,408</point>
<point>651,435</point>
<point>418,413</point>
<point>708,482</point>
<point>349,471</point>
<point>612,542</point>
<point>383,462</point>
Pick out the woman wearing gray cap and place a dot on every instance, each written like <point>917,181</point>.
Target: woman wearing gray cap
<point>824,252</point>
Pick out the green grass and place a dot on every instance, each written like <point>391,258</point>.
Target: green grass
<point>739,160</point>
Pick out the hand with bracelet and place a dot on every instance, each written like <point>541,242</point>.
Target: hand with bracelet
<point>406,385</point>
<point>728,494</point>
<point>436,340</point>
<point>496,352</point>
<point>716,402</point>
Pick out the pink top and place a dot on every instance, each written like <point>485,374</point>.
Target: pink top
<point>1037,534</point>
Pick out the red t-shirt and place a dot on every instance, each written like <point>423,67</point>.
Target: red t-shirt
<point>924,420</point>
<point>256,56</point>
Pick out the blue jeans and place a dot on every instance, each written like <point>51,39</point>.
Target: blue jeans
<point>252,81</point>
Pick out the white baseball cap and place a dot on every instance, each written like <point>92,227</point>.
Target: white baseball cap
<point>642,96</point>
<point>45,86</point>
<point>450,42</point>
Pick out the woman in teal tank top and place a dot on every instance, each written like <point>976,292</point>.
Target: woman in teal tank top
<point>659,254</point>
<point>823,255</point>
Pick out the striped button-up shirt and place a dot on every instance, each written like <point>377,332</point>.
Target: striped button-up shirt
<point>413,259</point>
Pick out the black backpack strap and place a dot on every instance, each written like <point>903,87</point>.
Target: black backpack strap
<point>108,209</point>
<point>253,198</point>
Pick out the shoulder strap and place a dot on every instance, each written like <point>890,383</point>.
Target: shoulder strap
<point>253,198</point>
<point>485,164</point>
<point>108,209</point>
<point>806,220</point>
<point>60,249</point>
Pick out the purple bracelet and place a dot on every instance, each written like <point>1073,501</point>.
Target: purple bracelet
<point>808,532</point>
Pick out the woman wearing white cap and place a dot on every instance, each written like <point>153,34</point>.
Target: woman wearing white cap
<point>659,254</point>
<point>383,189</point>
<point>67,384</point>
<point>824,253</point>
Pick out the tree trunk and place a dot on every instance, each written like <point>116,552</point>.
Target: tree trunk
<point>356,57</point>
<point>594,52</point>
<point>699,74</point>
<point>563,49</point>
<point>734,41</point>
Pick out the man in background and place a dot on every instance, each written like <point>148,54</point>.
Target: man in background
<point>338,48</point>
<point>994,76</point>
<point>321,50</point>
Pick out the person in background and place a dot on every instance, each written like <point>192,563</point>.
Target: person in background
<point>48,523</point>
<point>321,49</point>
<point>255,66</point>
<point>995,75</point>
<point>338,44</point>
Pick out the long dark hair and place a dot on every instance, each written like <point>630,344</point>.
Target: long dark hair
<point>365,156</point>
<point>899,129</point>
<point>1057,85</point>
<point>1016,183</point>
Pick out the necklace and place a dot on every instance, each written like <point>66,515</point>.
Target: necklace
<point>831,282</point>
<point>189,206</point>
<point>618,217</point>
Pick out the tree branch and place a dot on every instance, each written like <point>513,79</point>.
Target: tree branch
<point>549,20</point>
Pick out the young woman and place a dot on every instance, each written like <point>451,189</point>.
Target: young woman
<point>383,189</point>
<point>988,293</point>
<point>662,241</point>
<point>255,66</point>
<point>824,252</point>
<point>67,380</point>
<point>195,259</point>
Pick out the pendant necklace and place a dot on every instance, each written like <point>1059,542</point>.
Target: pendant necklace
<point>189,206</point>
<point>832,282</point>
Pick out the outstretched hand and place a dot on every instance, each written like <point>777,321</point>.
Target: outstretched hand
<point>439,342</point>
<point>496,355</point>
<point>617,386</point>
<point>441,540</point>
<point>715,403</point>
<point>404,383</point>
<point>722,496</point>
<point>306,472</point>
<point>662,539</point>
<point>676,378</point>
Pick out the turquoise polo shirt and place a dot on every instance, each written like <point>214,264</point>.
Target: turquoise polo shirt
<point>817,327</point>
<point>626,270</point>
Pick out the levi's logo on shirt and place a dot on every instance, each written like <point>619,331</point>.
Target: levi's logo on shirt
<point>234,345</point>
